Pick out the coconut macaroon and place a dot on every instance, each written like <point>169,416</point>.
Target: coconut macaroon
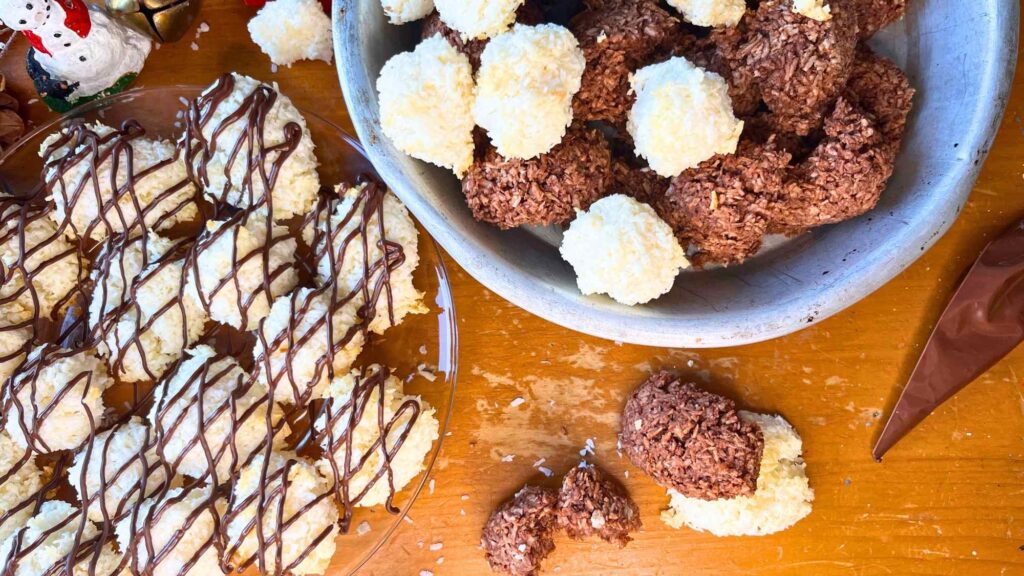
<point>409,422</point>
<point>16,333</point>
<point>54,533</point>
<point>426,101</point>
<point>236,125</point>
<point>298,517</point>
<point>476,19</point>
<point>180,529</point>
<point>56,399</point>
<point>782,499</point>
<point>675,97</point>
<point>119,263</point>
<point>296,348</point>
<point>357,222</point>
<point>23,480</point>
<point>138,183</point>
<point>240,266</point>
<point>117,469</point>
<point>711,12</point>
<point>41,267</point>
<point>621,247</point>
<point>525,86</point>
<point>167,317</point>
<point>234,410</point>
<point>292,30</point>
<point>403,11</point>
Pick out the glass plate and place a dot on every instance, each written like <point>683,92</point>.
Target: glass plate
<point>423,343</point>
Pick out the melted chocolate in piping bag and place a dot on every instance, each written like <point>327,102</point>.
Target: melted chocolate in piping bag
<point>982,323</point>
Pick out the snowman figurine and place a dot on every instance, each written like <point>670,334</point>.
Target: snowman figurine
<point>78,53</point>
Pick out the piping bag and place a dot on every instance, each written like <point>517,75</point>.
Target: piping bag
<point>982,323</point>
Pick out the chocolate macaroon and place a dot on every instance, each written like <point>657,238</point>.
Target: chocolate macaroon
<point>846,173</point>
<point>801,64</point>
<point>520,533</point>
<point>547,189</point>
<point>590,503</point>
<point>691,440</point>
<point>617,37</point>
<point>529,13</point>
<point>873,15</point>
<point>723,206</point>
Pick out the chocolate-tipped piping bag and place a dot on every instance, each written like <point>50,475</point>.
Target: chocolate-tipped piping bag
<point>982,323</point>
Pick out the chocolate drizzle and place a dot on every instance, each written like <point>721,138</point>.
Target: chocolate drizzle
<point>124,223</point>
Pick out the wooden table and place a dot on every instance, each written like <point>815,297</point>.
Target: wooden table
<point>948,500</point>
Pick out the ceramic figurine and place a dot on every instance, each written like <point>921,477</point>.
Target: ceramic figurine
<point>78,53</point>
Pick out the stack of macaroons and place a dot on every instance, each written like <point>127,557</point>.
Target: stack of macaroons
<point>728,472</point>
<point>732,120</point>
<point>165,323</point>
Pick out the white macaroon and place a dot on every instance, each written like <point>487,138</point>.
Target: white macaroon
<point>349,394</point>
<point>783,496</point>
<point>16,334</point>
<point>234,258</point>
<point>349,256</point>
<point>682,116</point>
<point>711,12</point>
<point>154,333</point>
<point>622,248</point>
<point>51,262</point>
<point>292,30</point>
<point>478,19</point>
<point>813,9</point>
<point>95,208</point>
<point>525,86</point>
<point>233,407</point>
<point>426,104</point>
<point>115,270</point>
<point>403,11</point>
<point>297,185</point>
<point>180,528</point>
<point>301,345</point>
<point>58,399</point>
<point>23,481</point>
<point>49,537</point>
<point>305,503</point>
<point>114,470</point>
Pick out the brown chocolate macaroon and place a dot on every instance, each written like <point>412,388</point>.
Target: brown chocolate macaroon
<point>723,206</point>
<point>842,178</point>
<point>800,64</point>
<point>691,440</point>
<point>845,175</point>
<point>617,37</point>
<point>590,503</point>
<point>544,190</point>
<point>529,13</point>
<point>640,182</point>
<point>881,88</point>
<point>873,15</point>
<point>519,534</point>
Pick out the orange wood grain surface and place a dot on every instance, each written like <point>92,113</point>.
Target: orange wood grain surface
<point>947,500</point>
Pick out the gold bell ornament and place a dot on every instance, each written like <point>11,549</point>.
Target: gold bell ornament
<point>161,20</point>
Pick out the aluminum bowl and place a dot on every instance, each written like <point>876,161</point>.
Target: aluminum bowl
<point>959,55</point>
